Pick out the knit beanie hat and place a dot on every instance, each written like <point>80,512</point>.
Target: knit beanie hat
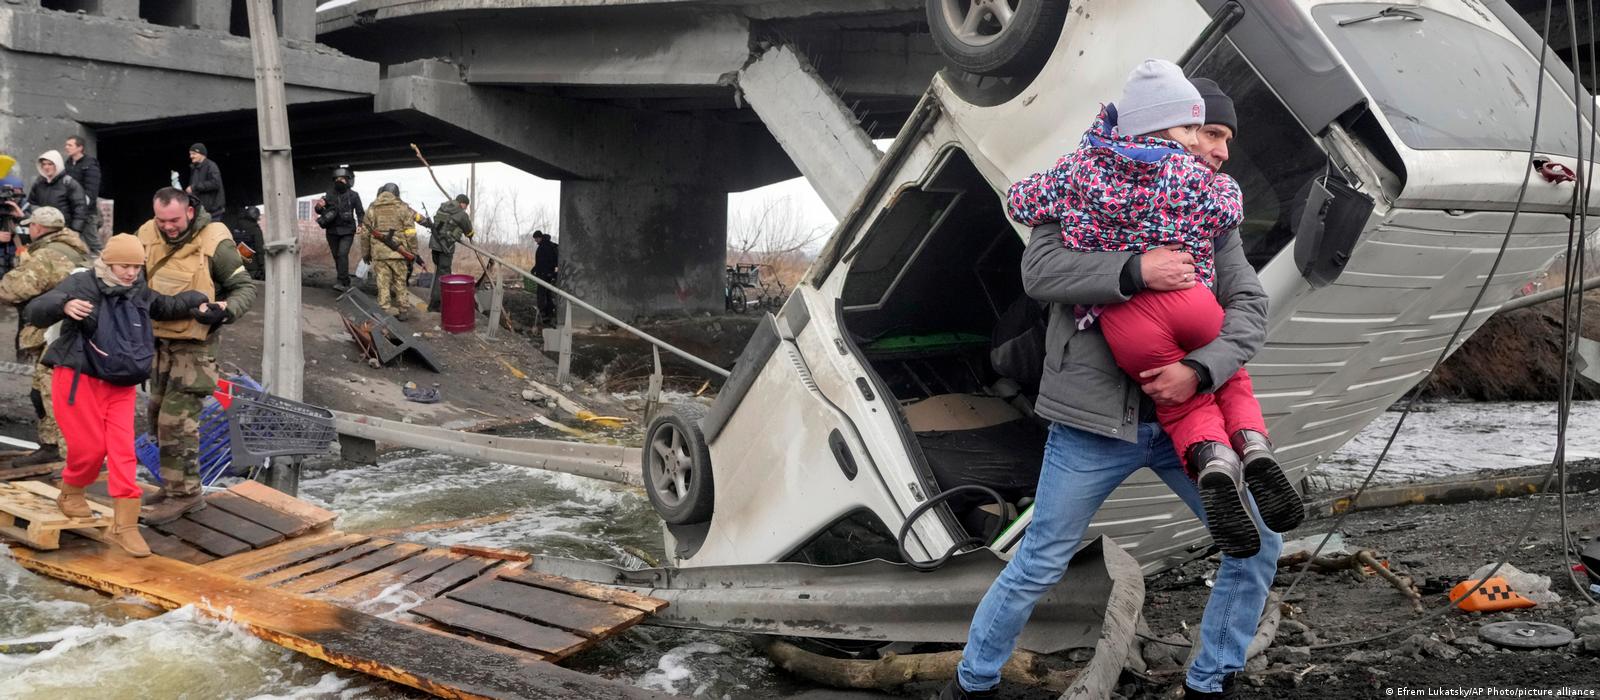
<point>1157,97</point>
<point>199,148</point>
<point>1219,107</point>
<point>123,249</point>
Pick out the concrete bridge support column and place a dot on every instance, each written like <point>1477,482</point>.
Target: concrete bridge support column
<point>812,125</point>
<point>636,247</point>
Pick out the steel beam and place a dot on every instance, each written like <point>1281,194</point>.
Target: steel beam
<point>604,462</point>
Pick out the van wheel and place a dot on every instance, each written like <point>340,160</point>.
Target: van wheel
<point>677,466</point>
<point>996,37</point>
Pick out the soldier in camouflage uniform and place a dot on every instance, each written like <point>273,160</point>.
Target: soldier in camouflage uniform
<point>388,225</point>
<point>55,252</point>
<point>185,250</point>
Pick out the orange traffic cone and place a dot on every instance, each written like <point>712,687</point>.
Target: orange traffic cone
<point>1494,594</point>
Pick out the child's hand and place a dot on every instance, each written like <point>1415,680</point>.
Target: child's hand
<point>1167,269</point>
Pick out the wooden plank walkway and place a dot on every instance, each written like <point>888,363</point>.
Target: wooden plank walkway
<point>471,621</point>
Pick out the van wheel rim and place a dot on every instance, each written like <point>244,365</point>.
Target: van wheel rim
<point>978,22</point>
<point>672,469</point>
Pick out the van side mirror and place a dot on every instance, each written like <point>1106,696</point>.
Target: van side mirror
<point>1335,214</point>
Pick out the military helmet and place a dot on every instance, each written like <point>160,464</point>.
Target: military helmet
<point>391,188</point>
<point>344,172</point>
<point>252,213</point>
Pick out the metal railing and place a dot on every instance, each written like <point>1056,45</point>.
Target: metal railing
<point>566,338</point>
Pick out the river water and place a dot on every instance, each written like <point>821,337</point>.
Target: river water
<point>116,648</point>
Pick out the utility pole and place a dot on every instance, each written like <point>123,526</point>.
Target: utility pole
<point>282,357</point>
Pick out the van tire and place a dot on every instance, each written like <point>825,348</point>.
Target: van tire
<point>677,465</point>
<point>1019,48</point>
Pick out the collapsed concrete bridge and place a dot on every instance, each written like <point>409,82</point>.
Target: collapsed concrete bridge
<point>649,112</point>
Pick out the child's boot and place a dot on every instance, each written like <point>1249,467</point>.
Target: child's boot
<point>1222,493</point>
<point>1280,505</point>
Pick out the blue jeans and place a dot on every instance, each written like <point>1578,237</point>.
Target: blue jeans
<point>1080,470</point>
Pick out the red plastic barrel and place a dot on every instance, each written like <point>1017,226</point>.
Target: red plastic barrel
<point>458,307</point>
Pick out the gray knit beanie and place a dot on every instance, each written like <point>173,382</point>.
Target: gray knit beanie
<point>1157,97</point>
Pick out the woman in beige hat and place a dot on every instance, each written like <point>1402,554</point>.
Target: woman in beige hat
<point>105,349</point>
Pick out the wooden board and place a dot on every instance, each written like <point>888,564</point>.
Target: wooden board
<point>285,554</point>
<point>584,589</point>
<point>222,521</point>
<point>204,538</point>
<point>586,617</point>
<point>279,522</point>
<point>404,572</point>
<point>283,503</point>
<point>451,576</point>
<point>322,563</point>
<point>436,663</point>
<point>49,493</point>
<point>555,644</point>
<point>349,570</point>
<point>13,473</point>
<point>172,547</point>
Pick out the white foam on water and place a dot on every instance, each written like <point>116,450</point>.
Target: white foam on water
<point>674,667</point>
<point>179,654</point>
<point>391,603</point>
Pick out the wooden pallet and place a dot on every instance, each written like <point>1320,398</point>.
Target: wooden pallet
<point>245,517</point>
<point>473,592</point>
<point>28,513</point>
<point>432,661</point>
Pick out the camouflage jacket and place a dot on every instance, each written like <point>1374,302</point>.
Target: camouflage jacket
<point>388,215</point>
<point>48,261</point>
<point>450,224</point>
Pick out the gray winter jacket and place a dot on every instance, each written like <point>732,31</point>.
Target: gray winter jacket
<point>1082,386</point>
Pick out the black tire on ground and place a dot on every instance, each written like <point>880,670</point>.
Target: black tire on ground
<point>972,35</point>
<point>677,466</point>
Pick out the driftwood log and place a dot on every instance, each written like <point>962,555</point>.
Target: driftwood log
<point>896,670</point>
<point>1365,558</point>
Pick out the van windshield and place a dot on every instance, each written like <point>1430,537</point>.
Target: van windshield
<point>1446,84</point>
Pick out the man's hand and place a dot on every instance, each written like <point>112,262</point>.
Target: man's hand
<point>77,309</point>
<point>1167,269</point>
<point>1170,385</point>
<point>15,211</point>
<point>190,190</point>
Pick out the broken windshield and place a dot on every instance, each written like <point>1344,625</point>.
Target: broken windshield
<point>1443,83</point>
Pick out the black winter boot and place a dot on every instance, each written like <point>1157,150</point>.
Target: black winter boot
<point>1228,692</point>
<point>1221,480</point>
<point>954,691</point>
<point>44,455</point>
<point>1280,505</point>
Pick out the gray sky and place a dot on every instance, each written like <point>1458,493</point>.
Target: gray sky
<point>537,199</point>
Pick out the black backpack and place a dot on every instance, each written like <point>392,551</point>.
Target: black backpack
<point>123,346</point>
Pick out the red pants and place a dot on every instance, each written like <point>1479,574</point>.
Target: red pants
<point>97,427</point>
<point>1156,329</point>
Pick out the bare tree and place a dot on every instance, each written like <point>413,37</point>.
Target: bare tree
<point>774,234</point>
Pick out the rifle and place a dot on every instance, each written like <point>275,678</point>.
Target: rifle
<point>388,240</point>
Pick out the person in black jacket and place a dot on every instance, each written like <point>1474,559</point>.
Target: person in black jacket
<point>338,213</point>
<point>546,266</point>
<point>205,182</point>
<point>54,188</point>
<point>86,170</point>
<point>247,232</point>
<point>96,415</point>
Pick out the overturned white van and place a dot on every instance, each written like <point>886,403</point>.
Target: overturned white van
<point>1409,130</point>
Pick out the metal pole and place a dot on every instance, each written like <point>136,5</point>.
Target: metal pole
<point>564,360</point>
<point>664,345</point>
<point>282,357</point>
<point>1544,296</point>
